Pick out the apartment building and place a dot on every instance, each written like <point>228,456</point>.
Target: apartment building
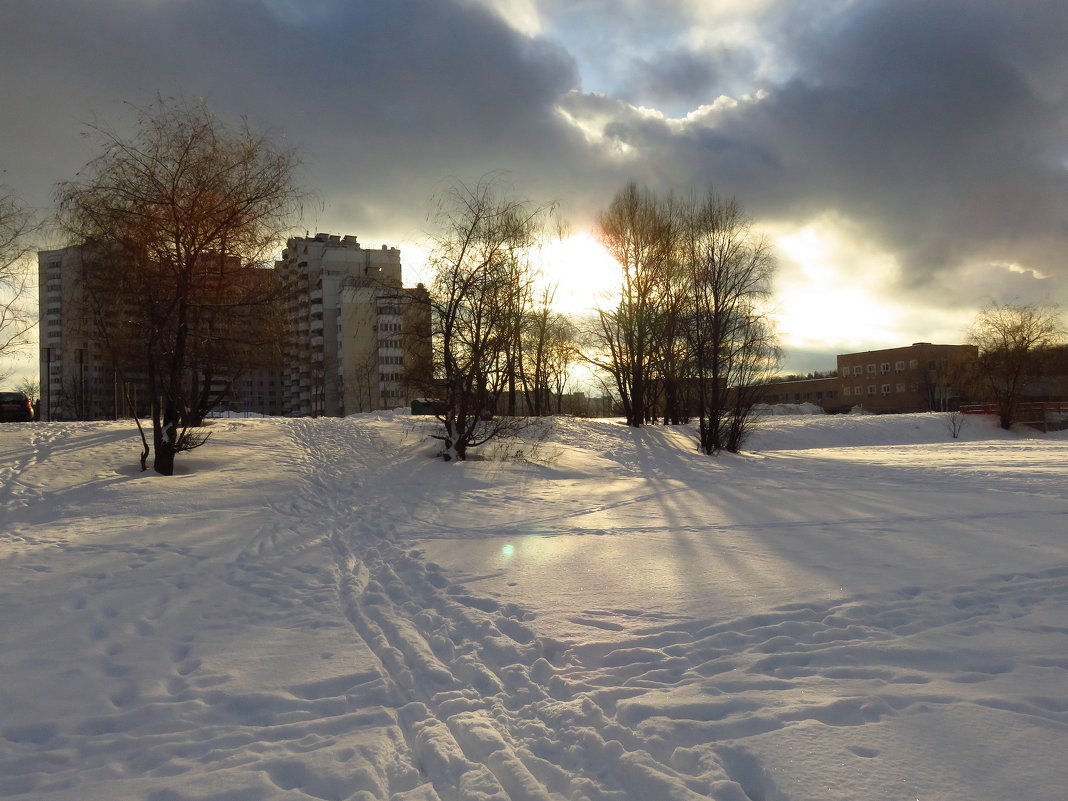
<point>360,340</point>
<point>81,379</point>
<point>77,380</point>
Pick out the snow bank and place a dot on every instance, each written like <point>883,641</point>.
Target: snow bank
<point>787,409</point>
<point>836,431</point>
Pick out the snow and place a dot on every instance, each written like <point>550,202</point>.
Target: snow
<point>764,409</point>
<point>862,608</point>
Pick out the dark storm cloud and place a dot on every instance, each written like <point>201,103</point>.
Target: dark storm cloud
<point>937,126</point>
<point>931,120</point>
<point>940,126</point>
<point>385,99</point>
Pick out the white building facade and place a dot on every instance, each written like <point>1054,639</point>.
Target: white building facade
<point>77,382</point>
<point>350,348</point>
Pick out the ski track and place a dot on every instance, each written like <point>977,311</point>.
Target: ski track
<point>476,704</point>
<point>490,710</point>
<point>483,711</point>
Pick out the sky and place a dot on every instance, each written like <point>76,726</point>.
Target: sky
<point>907,159</point>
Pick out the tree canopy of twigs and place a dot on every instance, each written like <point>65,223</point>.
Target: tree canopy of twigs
<point>730,339</point>
<point>179,215</point>
<point>17,317</point>
<point>1016,345</point>
<point>639,233</point>
<point>689,335</point>
<point>480,301</point>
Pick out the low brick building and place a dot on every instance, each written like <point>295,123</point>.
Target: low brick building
<point>921,377</point>
<point>916,378</point>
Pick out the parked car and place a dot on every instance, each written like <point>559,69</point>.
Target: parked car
<point>15,407</point>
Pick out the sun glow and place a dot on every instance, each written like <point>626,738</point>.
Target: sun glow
<point>584,274</point>
<point>828,290</point>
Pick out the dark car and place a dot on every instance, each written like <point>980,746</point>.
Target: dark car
<point>15,407</point>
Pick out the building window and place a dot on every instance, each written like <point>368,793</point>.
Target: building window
<point>899,367</point>
<point>914,363</point>
<point>871,369</point>
<point>884,368</point>
<point>900,387</point>
<point>858,370</point>
<point>886,389</point>
<point>845,391</point>
<point>872,389</point>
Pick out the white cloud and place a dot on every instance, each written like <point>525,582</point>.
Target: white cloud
<point>523,15</point>
<point>835,290</point>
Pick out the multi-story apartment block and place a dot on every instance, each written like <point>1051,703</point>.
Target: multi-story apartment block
<point>359,339</point>
<point>77,382</point>
<point>80,379</point>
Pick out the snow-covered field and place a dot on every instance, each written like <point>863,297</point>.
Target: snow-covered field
<point>861,608</point>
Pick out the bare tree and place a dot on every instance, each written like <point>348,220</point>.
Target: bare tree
<point>30,387</point>
<point>731,340</point>
<point>637,231</point>
<point>237,326</point>
<point>180,208</point>
<point>17,317</point>
<point>1016,344</point>
<point>549,350</point>
<point>476,303</point>
<point>690,329</point>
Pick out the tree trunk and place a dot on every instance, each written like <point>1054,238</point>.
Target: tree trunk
<point>164,436</point>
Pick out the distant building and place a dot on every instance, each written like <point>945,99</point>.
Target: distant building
<point>823,392</point>
<point>77,379</point>
<point>916,378</point>
<point>82,379</point>
<point>359,340</point>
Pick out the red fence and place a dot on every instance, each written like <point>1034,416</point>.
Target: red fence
<point>1030,409</point>
<point>1049,414</point>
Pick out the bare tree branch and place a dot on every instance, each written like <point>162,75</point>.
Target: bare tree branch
<point>18,317</point>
